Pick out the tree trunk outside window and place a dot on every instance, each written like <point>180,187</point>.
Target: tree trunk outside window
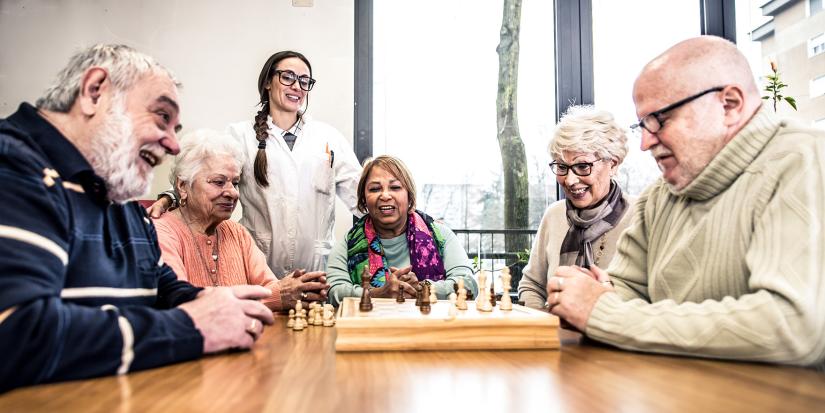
<point>513,158</point>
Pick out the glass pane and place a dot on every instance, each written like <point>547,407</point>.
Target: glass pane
<point>621,46</point>
<point>435,86</point>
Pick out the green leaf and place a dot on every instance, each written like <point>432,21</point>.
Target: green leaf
<point>791,101</point>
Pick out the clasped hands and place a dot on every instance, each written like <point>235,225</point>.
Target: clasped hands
<point>397,279</point>
<point>573,291</point>
<point>304,286</point>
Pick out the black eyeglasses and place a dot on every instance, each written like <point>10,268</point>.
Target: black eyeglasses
<point>653,121</point>
<point>580,169</point>
<point>288,78</point>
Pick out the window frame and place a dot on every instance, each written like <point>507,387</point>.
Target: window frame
<point>573,49</point>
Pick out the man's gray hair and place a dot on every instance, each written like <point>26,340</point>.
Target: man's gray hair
<point>197,147</point>
<point>125,67</point>
<point>589,130</point>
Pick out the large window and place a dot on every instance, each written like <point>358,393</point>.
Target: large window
<point>435,84</point>
<point>621,46</point>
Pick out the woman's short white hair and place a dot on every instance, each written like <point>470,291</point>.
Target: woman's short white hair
<point>125,67</point>
<point>197,147</point>
<point>589,130</point>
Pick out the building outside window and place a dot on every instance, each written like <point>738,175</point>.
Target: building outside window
<point>816,45</point>
<point>818,86</point>
<point>814,7</point>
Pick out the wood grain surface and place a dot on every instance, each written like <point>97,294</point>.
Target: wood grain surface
<point>300,372</point>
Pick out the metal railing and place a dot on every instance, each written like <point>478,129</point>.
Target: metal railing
<point>489,245</point>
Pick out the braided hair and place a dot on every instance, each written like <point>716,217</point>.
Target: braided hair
<point>260,126</point>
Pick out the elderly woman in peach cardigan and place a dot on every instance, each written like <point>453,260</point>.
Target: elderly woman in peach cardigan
<point>201,243</point>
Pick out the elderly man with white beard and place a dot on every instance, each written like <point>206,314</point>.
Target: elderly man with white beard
<point>83,289</point>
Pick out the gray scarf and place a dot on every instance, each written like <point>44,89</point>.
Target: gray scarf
<point>587,225</point>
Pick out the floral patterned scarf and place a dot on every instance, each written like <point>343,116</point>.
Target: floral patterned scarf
<point>425,242</point>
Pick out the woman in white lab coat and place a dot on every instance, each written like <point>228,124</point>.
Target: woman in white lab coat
<point>294,168</point>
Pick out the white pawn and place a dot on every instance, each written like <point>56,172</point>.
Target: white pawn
<point>433,297</point>
<point>506,304</point>
<point>329,315</point>
<point>318,320</point>
<point>452,311</point>
<point>461,302</point>
<point>291,322</point>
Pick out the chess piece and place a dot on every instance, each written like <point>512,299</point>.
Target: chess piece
<point>291,322</point>
<point>461,302</point>
<point>483,301</point>
<point>482,287</point>
<point>366,301</point>
<point>399,298</point>
<point>318,320</point>
<point>299,317</point>
<point>329,320</point>
<point>506,302</point>
<point>425,299</point>
<point>418,293</point>
<point>451,310</point>
<point>433,297</point>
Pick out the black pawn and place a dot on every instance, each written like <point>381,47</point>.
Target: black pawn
<point>400,297</point>
<point>425,299</point>
<point>366,301</point>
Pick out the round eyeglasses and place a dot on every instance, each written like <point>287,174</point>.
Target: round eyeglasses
<point>579,169</point>
<point>288,78</point>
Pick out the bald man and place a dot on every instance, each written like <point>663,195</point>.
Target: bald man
<point>725,255</point>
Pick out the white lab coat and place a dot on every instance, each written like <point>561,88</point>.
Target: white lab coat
<point>292,220</point>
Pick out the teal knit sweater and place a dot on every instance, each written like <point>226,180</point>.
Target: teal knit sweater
<point>732,266</point>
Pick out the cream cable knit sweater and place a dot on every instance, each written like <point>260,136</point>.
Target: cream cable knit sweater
<point>733,266</point>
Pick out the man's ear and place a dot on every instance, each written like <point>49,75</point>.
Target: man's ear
<point>734,104</point>
<point>92,85</point>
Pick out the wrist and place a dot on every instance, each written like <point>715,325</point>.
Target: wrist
<point>173,198</point>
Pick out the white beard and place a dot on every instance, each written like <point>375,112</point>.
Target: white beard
<point>113,156</point>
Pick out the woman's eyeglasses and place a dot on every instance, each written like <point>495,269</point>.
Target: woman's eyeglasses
<point>288,78</point>
<point>580,169</point>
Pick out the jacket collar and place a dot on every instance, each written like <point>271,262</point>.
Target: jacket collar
<point>66,159</point>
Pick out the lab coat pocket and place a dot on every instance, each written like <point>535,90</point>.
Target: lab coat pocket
<point>323,176</point>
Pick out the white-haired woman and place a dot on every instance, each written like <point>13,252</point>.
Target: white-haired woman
<point>587,148</point>
<point>199,241</point>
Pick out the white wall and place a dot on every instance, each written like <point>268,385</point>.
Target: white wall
<point>216,48</point>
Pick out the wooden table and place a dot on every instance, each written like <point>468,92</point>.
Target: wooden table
<point>300,372</point>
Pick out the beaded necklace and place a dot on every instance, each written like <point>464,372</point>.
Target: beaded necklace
<point>211,273</point>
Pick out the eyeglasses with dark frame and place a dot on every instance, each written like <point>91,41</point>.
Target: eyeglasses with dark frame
<point>579,169</point>
<point>288,78</point>
<point>653,122</point>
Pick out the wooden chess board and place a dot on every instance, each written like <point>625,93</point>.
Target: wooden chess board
<point>394,326</point>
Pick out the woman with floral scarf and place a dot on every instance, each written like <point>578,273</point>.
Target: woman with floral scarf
<point>399,245</point>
